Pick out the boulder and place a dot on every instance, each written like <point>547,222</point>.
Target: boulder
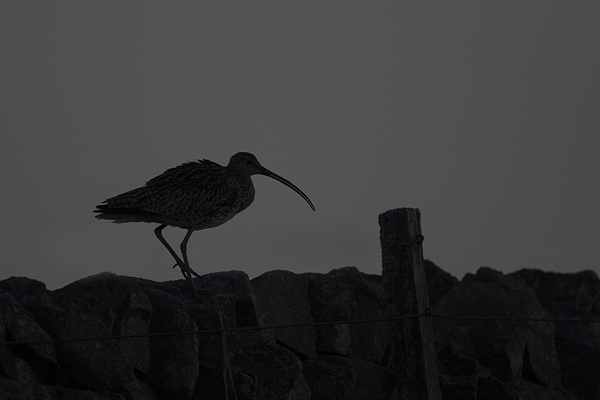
<point>267,371</point>
<point>373,380</point>
<point>18,381</point>
<point>122,307</point>
<point>572,296</point>
<point>65,393</point>
<point>31,294</point>
<point>174,364</point>
<point>238,284</point>
<point>137,390</point>
<point>328,381</point>
<point>458,367</point>
<point>532,391</point>
<point>89,364</point>
<point>492,388</point>
<point>506,348</point>
<point>216,378</point>
<point>439,282</point>
<point>282,299</point>
<point>213,309</point>
<point>19,325</point>
<point>226,300</point>
<point>342,295</point>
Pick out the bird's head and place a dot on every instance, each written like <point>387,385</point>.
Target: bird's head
<point>247,164</point>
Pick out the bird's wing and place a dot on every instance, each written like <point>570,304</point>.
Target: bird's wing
<point>180,172</point>
<point>192,189</point>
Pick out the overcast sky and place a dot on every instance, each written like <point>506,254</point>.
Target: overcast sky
<point>485,115</point>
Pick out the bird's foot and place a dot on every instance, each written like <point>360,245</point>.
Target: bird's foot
<point>195,290</point>
<point>183,273</point>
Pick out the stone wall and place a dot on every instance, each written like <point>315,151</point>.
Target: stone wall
<point>477,359</point>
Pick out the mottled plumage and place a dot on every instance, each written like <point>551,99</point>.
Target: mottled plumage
<point>193,196</point>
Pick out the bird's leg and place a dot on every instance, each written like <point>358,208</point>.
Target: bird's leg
<point>180,263</point>
<point>183,248</point>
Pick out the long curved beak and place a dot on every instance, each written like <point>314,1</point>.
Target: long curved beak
<point>288,184</point>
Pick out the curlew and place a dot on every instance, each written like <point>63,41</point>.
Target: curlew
<point>193,196</point>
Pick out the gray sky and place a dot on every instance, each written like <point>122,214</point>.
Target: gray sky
<point>485,115</point>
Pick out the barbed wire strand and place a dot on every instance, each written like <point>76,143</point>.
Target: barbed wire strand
<point>212,331</point>
<point>427,313</point>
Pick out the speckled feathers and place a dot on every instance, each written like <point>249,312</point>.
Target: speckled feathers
<point>195,195</point>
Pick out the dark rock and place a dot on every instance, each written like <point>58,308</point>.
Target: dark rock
<point>8,368</point>
<point>21,382</point>
<point>238,284</point>
<point>572,296</point>
<point>269,370</point>
<point>123,308</point>
<point>133,390</point>
<point>282,299</point>
<point>136,390</point>
<point>174,365</point>
<point>64,393</point>
<point>226,300</point>
<point>19,325</point>
<point>31,294</point>
<point>491,388</point>
<point>90,364</point>
<point>222,297</point>
<point>456,390</point>
<point>342,295</point>
<point>478,359</point>
<point>500,346</point>
<point>458,367</point>
<point>15,390</point>
<point>216,379</point>
<point>373,381</point>
<point>328,381</point>
<point>245,385</point>
<point>562,292</point>
<point>439,282</point>
<point>580,368</point>
<point>531,391</point>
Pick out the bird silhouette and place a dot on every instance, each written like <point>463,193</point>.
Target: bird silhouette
<point>193,196</point>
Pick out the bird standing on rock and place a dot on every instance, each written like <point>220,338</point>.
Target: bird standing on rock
<point>193,196</point>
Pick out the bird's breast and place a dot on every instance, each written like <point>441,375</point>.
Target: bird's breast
<point>246,194</point>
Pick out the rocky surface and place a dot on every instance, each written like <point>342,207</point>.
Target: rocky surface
<point>478,359</point>
<point>344,295</point>
<point>572,296</point>
<point>501,352</point>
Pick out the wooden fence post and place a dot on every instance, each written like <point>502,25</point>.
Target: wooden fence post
<point>412,354</point>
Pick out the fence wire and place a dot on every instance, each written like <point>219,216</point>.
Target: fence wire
<point>428,314</point>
